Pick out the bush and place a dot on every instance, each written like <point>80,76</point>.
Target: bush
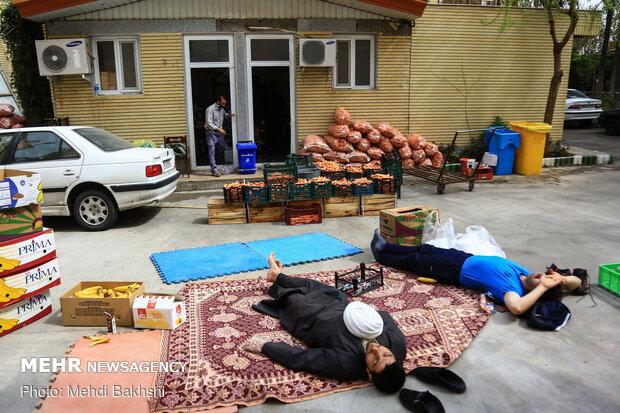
<point>476,148</point>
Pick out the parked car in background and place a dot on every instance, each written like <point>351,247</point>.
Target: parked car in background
<point>581,108</point>
<point>89,173</point>
<point>610,120</point>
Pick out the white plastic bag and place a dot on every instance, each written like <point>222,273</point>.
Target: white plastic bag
<point>439,235</point>
<point>478,241</point>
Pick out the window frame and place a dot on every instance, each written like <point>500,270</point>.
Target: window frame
<point>373,62</point>
<point>118,64</point>
<point>61,141</point>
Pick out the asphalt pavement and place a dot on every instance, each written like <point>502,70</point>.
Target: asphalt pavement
<point>568,216</point>
<point>592,137</point>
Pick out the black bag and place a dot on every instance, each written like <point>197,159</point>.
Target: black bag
<point>548,315</point>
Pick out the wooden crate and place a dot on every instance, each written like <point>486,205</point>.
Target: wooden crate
<point>223,213</point>
<point>308,203</point>
<point>342,206</point>
<point>269,212</point>
<point>372,204</point>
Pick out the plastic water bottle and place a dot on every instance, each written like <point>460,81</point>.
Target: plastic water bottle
<point>96,89</point>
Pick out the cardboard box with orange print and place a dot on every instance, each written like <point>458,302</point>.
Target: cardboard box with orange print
<point>163,311</point>
<point>25,252</point>
<point>30,282</point>
<point>24,312</point>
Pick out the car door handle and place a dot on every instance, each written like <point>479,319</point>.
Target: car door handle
<point>68,172</point>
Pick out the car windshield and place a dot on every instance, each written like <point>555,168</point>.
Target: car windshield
<point>574,94</point>
<point>104,140</point>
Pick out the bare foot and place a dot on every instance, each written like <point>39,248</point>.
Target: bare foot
<point>275,268</point>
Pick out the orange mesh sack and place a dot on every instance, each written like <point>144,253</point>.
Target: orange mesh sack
<point>339,131</point>
<point>338,144</point>
<point>418,155</point>
<point>416,141</point>
<point>336,156</point>
<point>430,149</point>
<point>315,143</point>
<point>354,137</point>
<point>6,109</point>
<point>361,126</point>
<point>399,141</point>
<point>375,152</point>
<point>374,136</point>
<point>342,116</point>
<point>405,152</point>
<point>425,162</point>
<point>385,129</point>
<point>408,163</point>
<point>385,144</point>
<point>363,145</point>
<point>357,156</point>
<point>437,159</point>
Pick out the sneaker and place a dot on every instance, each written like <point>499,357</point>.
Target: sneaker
<point>216,173</point>
<point>584,288</point>
<point>562,271</point>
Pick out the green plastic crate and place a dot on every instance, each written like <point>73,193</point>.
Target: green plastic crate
<point>321,189</point>
<point>278,174</point>
<point>278,192</point>
<point>609,277</point>
<point>299,160</point>
<point>300,192</point>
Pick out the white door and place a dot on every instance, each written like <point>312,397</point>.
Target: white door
<point>271,95</point>
<point>209,73</point>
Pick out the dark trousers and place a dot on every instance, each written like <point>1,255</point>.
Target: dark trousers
<point>217,146</point>
<point>442,264</point>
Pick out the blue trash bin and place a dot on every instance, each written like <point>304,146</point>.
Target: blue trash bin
<point>503,143</point>
<point>246,151</point>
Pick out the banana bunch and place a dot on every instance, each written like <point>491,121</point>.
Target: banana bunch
<point>94,340</point>
<point>6,325</point>
<point>8,264</point>
<point>97,291</point>
<point>9,293</point>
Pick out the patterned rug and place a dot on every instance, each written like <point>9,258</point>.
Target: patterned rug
<point>439,323</point>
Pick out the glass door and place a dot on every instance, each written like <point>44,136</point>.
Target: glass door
<point>209,73</point>
<point>271,95</point>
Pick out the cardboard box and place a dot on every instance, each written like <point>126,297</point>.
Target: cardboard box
<point>20,221</point>
<point>19,188</point>
<point>405,222</point>
<point>164,311</point>
<point>25,252</point>
<point>24,312</point>
<point>91,311</point>
<point>28,283</point>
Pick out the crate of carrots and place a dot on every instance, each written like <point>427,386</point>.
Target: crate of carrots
<point>278,174</point>
<point>371,168</point>
<point>363,186</point>
<point>384,183</point>
<point>255,192</point>
<point>295,215</point>
<point>332,170</point>
<point>233,192</point>
<point>354,172</point>
<point>321,187</point>
<point>278,191</point>
<point>300,190</point>
<point>342,187</point>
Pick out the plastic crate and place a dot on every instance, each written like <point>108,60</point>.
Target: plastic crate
<point>334,175</point>
<point>308,172</point>
<point>364,189</point>
<point>295,215</point>
<point>255,194</point>
<point>234,194</point>
<point>342,190</point>
<point>300,192</point>
<point>321,189</point>
<point>384,185</point>
<point>278,192</point>
<point>369,172</point>
<point>609,277</point>
<point>394,169</point>
<point>278,174</point>
<point>299,160</point>
<point>355,175</point>
<point>360,280</point>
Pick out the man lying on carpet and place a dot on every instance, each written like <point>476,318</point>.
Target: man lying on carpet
<point>505,281</point>
<point>346,341</point>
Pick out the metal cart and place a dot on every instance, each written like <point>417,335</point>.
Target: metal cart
<point>442,177</point>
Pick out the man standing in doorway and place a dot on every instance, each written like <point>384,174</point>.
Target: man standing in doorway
<point>214,118</point>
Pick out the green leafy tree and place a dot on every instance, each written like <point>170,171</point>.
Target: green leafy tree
<point>33,90</point>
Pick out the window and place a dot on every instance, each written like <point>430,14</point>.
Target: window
<point>103,139</point>
<point>42,146</point>
<point>117,68</point>
<point>355,62</point>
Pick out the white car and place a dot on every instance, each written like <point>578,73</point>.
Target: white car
<point>89,173</point>
<point>581,108</point>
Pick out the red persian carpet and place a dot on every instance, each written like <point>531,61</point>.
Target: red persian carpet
<point>439,322</point>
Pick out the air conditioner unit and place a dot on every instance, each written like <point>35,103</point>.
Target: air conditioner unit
<point>62,57</point>
<point>317,52</point>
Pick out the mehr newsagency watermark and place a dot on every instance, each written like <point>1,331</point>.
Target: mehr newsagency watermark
<point>75,365</point>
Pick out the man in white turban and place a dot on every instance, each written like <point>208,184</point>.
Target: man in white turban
<point>346,341</point>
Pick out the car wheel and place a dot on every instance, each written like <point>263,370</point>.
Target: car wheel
<point>94,210</point>
<point>585,122</point>
<point>612,127</point>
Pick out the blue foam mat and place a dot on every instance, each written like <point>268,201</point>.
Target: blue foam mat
<point>206,262</point>
<point>212,261</point>
<point>298,249</point>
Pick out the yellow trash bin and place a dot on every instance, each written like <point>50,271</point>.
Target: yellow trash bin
<point>529,156</point>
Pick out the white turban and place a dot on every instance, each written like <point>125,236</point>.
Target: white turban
<point>362,320</point>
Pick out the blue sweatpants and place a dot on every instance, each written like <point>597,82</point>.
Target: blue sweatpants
<point>426,260</point>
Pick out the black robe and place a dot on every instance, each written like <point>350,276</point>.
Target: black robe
<point>313,312</point>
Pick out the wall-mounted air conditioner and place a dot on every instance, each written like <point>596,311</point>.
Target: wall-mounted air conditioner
<point>62,57</point>
<point>317,52</point>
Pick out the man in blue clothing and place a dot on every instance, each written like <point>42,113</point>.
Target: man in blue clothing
<point>505,281</point>
<point>214,119</point>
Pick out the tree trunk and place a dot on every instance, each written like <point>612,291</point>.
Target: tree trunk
<point>616,88</point>
<point>600,73</point>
